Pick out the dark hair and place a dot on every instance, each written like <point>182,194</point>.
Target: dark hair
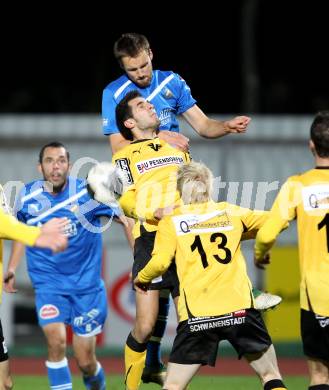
<point>320,133</point>
<point>123,112</point>
<point>130,45</point>
<point>53,144</point>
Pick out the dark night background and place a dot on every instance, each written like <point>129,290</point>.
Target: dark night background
<point>249,56</point>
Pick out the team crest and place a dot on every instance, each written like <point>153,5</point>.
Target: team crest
<point>74,208</point>
<point>167,93</point>
<point>155,147</point>
<point>48,312</point>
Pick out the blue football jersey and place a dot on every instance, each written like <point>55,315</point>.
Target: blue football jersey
<point>78,268</point>
<point>168,92</point>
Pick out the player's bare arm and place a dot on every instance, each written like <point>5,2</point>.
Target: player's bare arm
<point>211,128</point>
<point>117,142</point>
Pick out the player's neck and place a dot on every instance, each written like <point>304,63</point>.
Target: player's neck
<point>144,134</point>
<point>321,161</point>
<point>49,187</point>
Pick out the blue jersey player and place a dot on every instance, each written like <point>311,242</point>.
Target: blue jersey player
<point>167,91</point>
<point>68,286</point>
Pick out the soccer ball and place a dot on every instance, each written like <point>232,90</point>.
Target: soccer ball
<point>106,182</point>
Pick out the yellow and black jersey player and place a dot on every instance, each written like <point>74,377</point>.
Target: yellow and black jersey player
<point>150,167</point>
<point>203,239</point>
<point>305,197</point>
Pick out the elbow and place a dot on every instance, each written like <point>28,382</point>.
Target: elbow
<point>204,132</point>
<point>204,128</point>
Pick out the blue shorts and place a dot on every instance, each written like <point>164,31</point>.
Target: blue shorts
<point>85,313</point>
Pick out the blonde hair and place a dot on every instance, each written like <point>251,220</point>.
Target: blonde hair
<point>194,183</point>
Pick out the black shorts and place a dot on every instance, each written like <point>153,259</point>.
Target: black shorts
<point>3,348</point>
<point>315,335</point>
<point>142,255</point>
<point>197,339</point>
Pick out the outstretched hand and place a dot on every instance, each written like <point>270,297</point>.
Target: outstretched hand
<point>53,235</point>
<point>238,124</point>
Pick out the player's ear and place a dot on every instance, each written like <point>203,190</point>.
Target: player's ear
<point>311,146</point>
<point>39,167</point>
<point>151,54</point>
<point>129,123</point>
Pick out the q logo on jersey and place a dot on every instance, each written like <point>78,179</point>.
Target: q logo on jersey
<point>184,227</point>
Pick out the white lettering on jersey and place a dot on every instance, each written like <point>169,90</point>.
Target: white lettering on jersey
<point>70,229</point>
<point>197,324</point>
<point>195,224</point>
<point>165,116</point>
<point>158,162</point>
<point>316,197</point>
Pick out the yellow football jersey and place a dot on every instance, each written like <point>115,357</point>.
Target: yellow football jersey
<point>150,167</point>
<point>305,197</point>
<point>206,242</point>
